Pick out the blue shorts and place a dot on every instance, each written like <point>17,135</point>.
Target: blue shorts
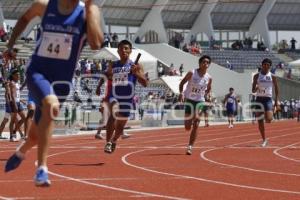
<point>266,102</point>
<point>125,106</point>
<point>7,108</point>
<point>40,87</point>
<point>30,100</point>
<point>20,107</point>
<point>230,111</point>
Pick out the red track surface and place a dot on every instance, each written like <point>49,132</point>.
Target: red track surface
<point>226,164</point>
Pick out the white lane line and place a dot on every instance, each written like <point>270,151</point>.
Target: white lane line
<point>60,180</point>
<point>276,152</point>
<point>202,155</point>
<point>147,194</point>
<point>125,157</point>
<point>6,198</point>
<point>184,136</point>
<point>272,137</point>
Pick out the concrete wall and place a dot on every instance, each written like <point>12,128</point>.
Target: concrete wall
<point>288,89</point>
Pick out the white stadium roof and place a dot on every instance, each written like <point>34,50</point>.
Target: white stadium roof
<point>181,14</point>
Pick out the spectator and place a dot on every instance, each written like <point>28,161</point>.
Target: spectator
<point>283,45</point>
<point>138,40</point>
<point>248,43</point>
<point>160,70</point>
<point>195,49</point>
<point>237,45</point>
<point>185,48</point>
<point>261,46</point>
<point>88,67</point>
<point>293,44</point>
<point>171,69</point>
<point>181,69</point>
<point>177,41</point>
<point>106,42</point>
<point>229,65</point>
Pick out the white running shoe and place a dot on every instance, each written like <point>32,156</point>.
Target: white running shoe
<point>189,150</point>
<point>13,139</point>
<point>265,143</point>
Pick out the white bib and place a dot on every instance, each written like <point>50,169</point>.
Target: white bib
<point>56,45</point>
<point>230,100</point>
<point>197,90</point>
<point>197,86</point>
<point>120,79</point>
<point>18,93</point>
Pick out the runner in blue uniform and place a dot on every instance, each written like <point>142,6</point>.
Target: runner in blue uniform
<point>65,27</point>
<point>124,74</point>
<point>230,102</point>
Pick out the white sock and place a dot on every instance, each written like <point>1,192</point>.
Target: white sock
<point>43,167</point>
<point>20,154</point>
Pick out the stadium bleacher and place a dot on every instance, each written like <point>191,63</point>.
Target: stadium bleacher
<point>240,59</point>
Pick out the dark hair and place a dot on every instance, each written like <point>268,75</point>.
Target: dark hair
<point>13,72</point>
<point>204,57</point>
<point>230,89</point>
<point>125,42</point>
<point>267,61</point>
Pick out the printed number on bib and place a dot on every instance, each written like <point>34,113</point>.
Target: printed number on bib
<point>230,100</point>
<point>120,79</point>
<point>196,91</point>
<point>56,45</point>
<point>18,96</point>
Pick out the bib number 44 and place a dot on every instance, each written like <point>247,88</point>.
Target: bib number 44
<point>56,45</point>
<point>55,50</point>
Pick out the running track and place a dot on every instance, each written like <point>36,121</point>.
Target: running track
<point>226,164</point>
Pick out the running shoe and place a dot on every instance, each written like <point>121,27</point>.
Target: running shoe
<point>108,147</point>
<point>2,138</point>
<point>13,139</point>
<point>113,147</point>
<point>13,162</point>
<point>41,178</point>
<point>265,143</point>
<point>189,150</point>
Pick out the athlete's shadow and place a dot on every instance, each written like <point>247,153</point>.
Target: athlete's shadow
<point>79,165</point>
